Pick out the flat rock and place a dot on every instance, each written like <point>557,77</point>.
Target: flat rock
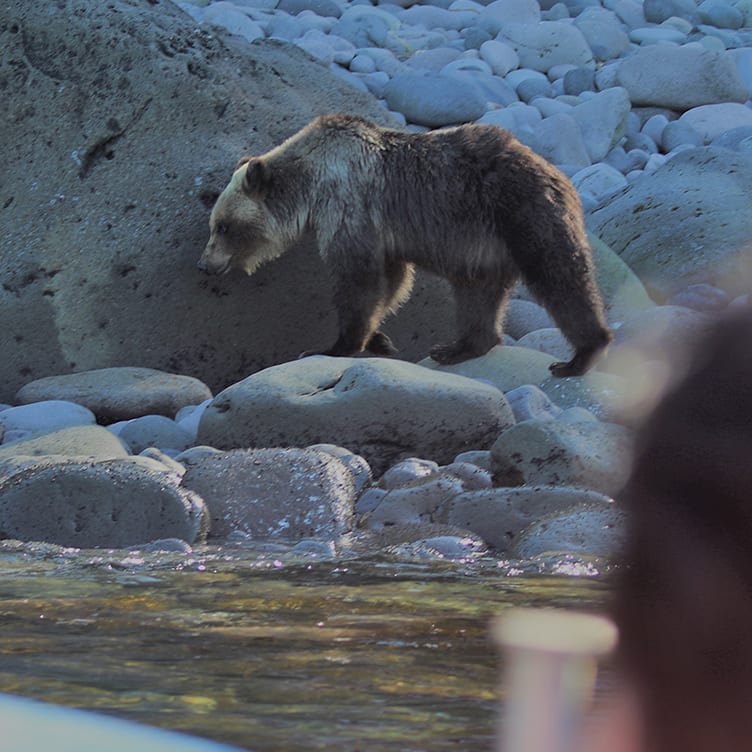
<point>586,454</point>
<point>269,494</point>
<point>384,410</point>
<point>119,393</point>
<point>688,222</point>
<point>433,100</point>
<point>681,77</point>
<point>93,442</point>
<point>105,505</point>
<point>500,515</point>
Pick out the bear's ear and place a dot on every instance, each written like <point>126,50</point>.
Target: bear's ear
<point>256,179</point>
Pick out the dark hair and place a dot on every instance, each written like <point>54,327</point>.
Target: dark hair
<point>684,597</point>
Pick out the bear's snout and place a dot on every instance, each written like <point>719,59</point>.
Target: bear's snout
<point>212,262</point>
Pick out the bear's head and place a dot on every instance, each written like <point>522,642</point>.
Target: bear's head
<point>246,228</point>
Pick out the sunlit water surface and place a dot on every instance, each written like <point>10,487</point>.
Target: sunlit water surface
<point>271,652</point>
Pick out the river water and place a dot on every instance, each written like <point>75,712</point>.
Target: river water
<point>271,652</point>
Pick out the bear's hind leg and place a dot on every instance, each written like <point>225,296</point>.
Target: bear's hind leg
<point>479,309</point>
<point>574,302</point>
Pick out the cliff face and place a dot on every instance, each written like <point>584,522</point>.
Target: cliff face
<point>123,122</point>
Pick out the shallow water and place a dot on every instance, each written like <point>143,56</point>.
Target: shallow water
<point>272,652</point>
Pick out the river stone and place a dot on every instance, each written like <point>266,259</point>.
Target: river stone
<point>134,169</point>
<point>591,529</point>
<point>603,121</point>
<point>106,505</point>
<point>270,494</point>
<point>529,402</point>
<point>154,431</point>
<point>559,139</point>
<point>550,341</point>
<point>419,504</point>
<point>384,410</point>
<point>603,32</point>
<point>688,222</point>
<point>499,515</point>
<point>546,44</point>
<point>681,77</point>
<point>25,421</point>
<point>504,366</point>
<point>433,100</point>
<point>713,120</point>
<point>93,442</point>
<point>119,393</point>
<point>551,452</point>
<point>524,316</point>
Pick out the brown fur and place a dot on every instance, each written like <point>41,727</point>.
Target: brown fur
<point>471,204</point>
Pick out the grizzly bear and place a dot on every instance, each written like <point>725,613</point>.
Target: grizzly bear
<point>469,203</point>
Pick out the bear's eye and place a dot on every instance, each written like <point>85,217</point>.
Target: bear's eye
<point>222,229</point>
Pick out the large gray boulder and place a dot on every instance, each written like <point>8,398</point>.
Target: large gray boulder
<point>688,222</point>
<point>275,493</point>
<point>121,123</point>
<point>384,410</point>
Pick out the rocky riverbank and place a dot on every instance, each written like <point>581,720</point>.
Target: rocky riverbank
<point>645,105</point>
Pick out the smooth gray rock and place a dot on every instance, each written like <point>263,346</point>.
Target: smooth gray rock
<point>545,452</point>
<point>433,100</point>
<point>26,421</point>
<point>530,403</point>
<point>593,530</point>
<point>94,442</point>
<point>713,120</point>
<point>119,393</point>
<point>681,77</point>
<point>111,504</point>
<point>270,494</point>
<point>686,223</point>
<point>524,316</point>
<point>418,504</point>
<point>548,43</point>
<point>154,431</point>
<point>603,121</point>
<point>384,410</point>
<point>500,515</point>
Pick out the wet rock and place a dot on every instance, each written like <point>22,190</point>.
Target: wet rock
<point>287,494</point>
<point>686,223</point>
<point>357,465</point>
<point>588,455</point>
<point>529,402</point>
<point>111,504</point>
<point>384,410</point>
<point>595,530</point>
<point>119,393</point>
<point>423,503</point>
<point>500,515</point>
<point>407,471</point>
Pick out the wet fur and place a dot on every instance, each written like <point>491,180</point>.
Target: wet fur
<point>471,204</point>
